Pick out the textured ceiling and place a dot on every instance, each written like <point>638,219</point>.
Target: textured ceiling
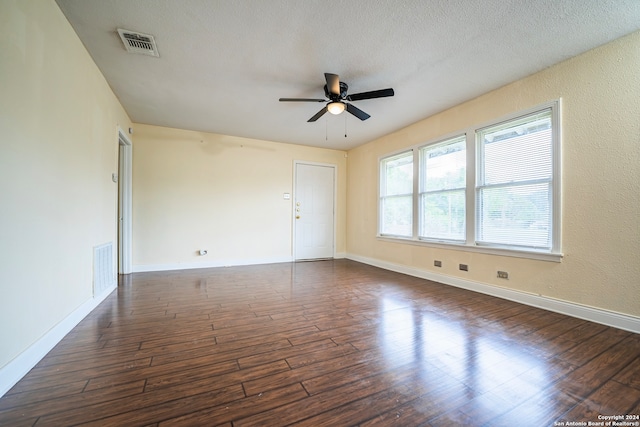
<point>224,64</point>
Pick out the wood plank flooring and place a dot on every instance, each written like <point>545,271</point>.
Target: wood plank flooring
<point>327,343</point>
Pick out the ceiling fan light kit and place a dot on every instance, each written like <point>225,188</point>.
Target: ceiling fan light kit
<point>335,107</point>
<point>336,93</point>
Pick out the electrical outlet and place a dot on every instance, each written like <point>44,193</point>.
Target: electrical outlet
<point>503,275</point>
<point>437,263</point>
<point>464,267</point>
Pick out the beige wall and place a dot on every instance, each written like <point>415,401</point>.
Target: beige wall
<point>194,190</point>
<point>58,148</point>
<point>600,92</point>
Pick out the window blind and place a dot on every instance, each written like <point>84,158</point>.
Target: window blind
<point>396,195</point>
<point>514,185</point>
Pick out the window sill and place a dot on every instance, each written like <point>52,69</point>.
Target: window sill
<point>539,256</point>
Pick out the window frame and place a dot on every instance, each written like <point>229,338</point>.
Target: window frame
<point>554,254</point>
<point>422,171</point>
<point>381,197</point>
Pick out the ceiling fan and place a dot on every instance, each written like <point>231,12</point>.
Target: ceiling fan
<point>336,93</point>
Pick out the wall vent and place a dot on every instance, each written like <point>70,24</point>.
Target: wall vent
<point>138,43</point>
<point>103,268</point>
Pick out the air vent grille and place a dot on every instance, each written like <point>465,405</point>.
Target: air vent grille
<point>138,43</point>
<point>103,268</point>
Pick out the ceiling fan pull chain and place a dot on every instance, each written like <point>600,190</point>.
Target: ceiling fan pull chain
<point>326,129</point>
<point>345,125</point>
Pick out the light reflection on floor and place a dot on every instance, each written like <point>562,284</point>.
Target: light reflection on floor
<point>490,367</point>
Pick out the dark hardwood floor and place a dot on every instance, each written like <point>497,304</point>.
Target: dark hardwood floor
<point>328,343</point>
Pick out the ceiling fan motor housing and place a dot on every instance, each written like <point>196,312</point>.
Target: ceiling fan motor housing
<point>343,92</point>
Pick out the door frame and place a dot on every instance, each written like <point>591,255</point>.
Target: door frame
<point>294,198</point>
<point>124,214</point>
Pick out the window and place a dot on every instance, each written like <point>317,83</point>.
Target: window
<point>442,190</point>
<point>494,188</point>
<point>396,195</point>
<point>514,186</point>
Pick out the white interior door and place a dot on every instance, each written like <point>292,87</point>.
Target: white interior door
<point>314,200</point>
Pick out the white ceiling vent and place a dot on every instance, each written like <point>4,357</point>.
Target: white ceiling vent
<point>138,43</point>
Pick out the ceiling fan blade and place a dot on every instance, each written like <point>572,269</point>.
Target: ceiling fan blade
<point>357,112</point>
<point>333,83</point>
<point>301,100</point>
<point>318,115</point>
<point>370,95</point>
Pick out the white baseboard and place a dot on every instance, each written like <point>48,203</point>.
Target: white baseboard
<point>13,371</point>
<point>597,315</point>
<point>143,268</point>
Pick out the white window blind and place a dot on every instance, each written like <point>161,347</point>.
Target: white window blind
<point>514,191</point>
<point>442,190</point>
<point>396,195</point>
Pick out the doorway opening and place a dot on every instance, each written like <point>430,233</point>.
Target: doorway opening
<point>124,202</point>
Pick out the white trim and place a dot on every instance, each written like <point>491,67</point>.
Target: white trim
<point>293,204</point>
<point>556,126</point>
<point>492,250</point>
<point>143,268</point>
<point>125,202</point>
<point>13,371</point>
<point>597,315</point>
